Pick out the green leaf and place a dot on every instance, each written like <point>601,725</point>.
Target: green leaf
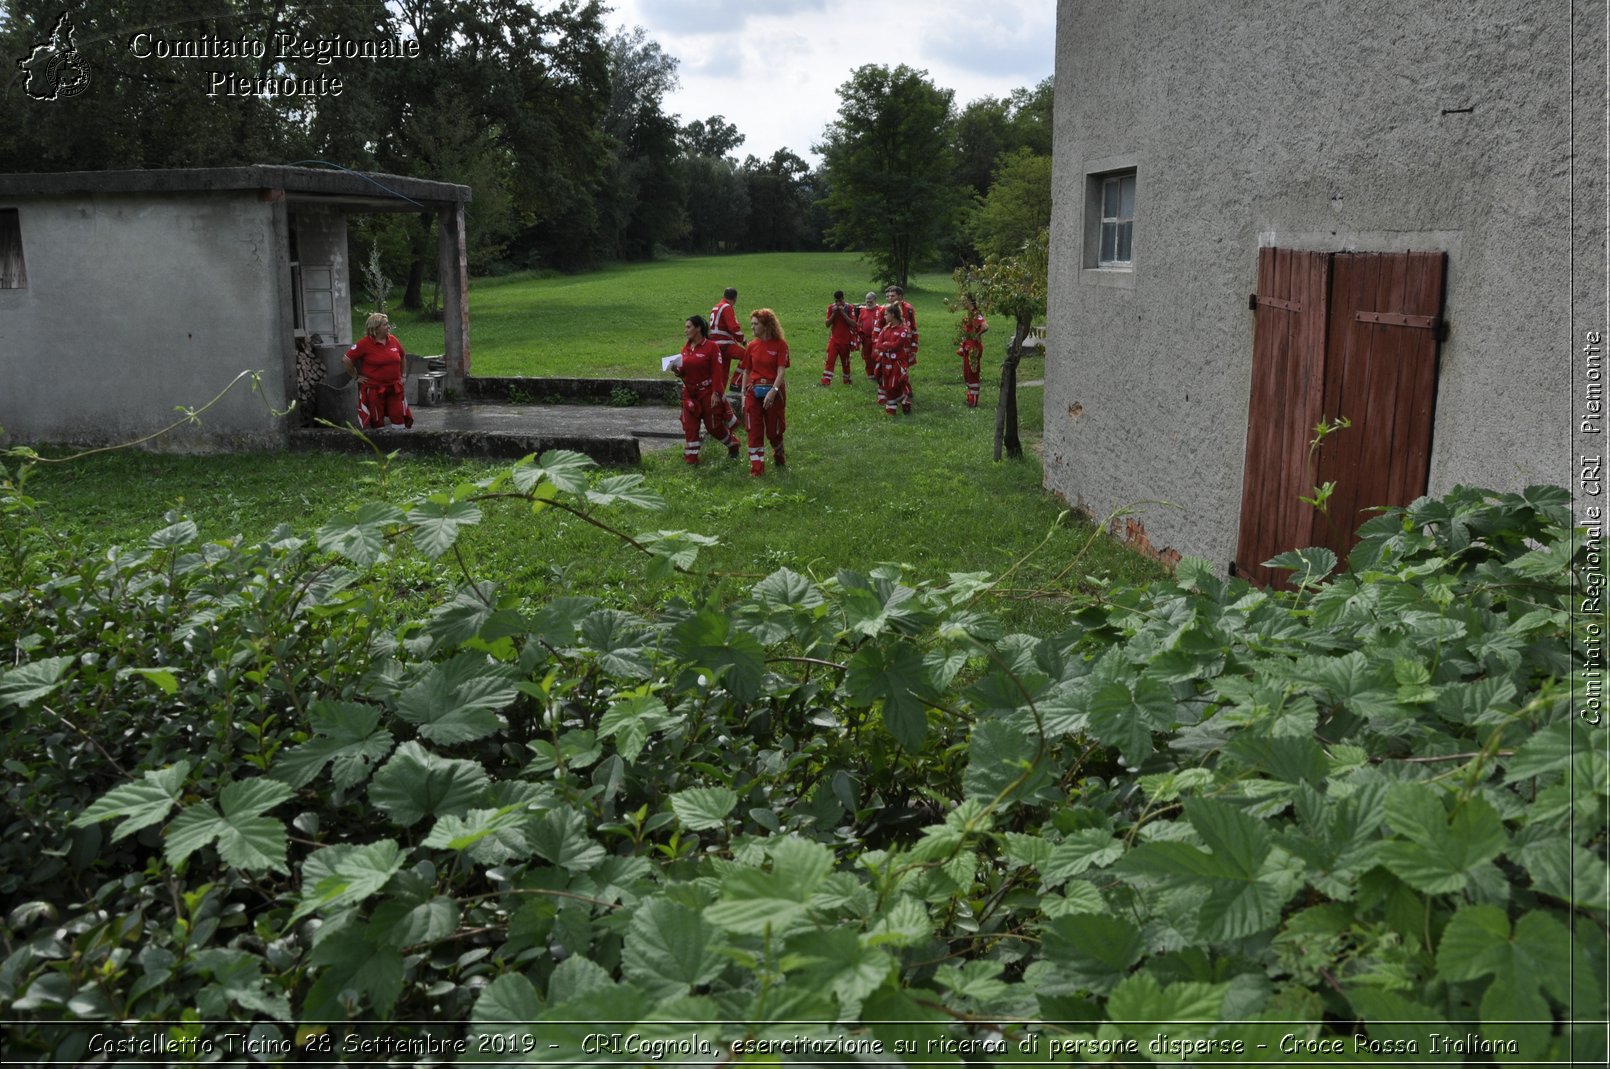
<point>510,1000</point>
<point>838,960</point>
<point>457,701</point>
<point>347,736</point>
<point>143,803</point>
<point>359,537</point>
<point>1474,944</point>
<point>1142,998</point>
<point>353,970</point>
<point>564,468</point>
<point>785,589</point>
<point>701,808</point>
<point>560,837</point>
<point>998,755</point>
<point>1094,950</point>
<point>1125,719</point>
<point>399,923</point>
<point>631,721</point>
<point>1090,847</point>
<point>245,838</point>
<point>416,784</point>
<point>1308,566</point>
<point>27,684</point>
<point>436,523</point>
<point>670,949</point>
<point>473,830</point>
<point>472,613</point>
<point>1436,854</point>
<point>708,640</point>
<point>1477,942</point>
<point>576,977</point>
<point>174,535</point>
<point>345,875</point>
<point>894,674</point>
<point>238,980</point>
<point>163,679</point>
<point>618,639</point>
<point>1550,750</point>
<point>625,490</point>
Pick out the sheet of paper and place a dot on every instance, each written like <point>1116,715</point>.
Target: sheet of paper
<point>669,362</point>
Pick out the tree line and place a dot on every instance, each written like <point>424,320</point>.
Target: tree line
<point>558,124</point>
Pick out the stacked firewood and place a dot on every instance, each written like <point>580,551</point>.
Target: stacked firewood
<point>309,373</point>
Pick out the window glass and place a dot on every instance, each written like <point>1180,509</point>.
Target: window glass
<point>1125,236</point>
<point>13,275</point>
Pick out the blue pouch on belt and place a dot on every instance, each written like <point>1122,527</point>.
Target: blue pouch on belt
<point>761,392</point>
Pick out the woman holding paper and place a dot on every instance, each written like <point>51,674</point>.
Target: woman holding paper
<point>696,367</point>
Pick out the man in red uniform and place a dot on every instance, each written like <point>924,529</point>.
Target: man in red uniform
<point>697,371</point>
<point>971,349</point>
<point>841,327</point>
<point>868,319</point>
<point>764,364</point>
<point>376,362</point>
<point>729,341</point>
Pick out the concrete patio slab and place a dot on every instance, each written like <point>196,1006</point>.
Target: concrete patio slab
<point>608,434</point>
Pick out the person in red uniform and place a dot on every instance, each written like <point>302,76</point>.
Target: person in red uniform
<point>867,321</point>
<point>377,362</point>
<point>841,327</point>
<point>908,317</point>
<point>896,353</point>
<point>971,349</point>
<point>764,363</point>
<point>697,372</point>
<point>729,340</point>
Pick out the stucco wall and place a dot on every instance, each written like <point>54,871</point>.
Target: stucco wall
<point>1369,125</point>
<point>137,304</point>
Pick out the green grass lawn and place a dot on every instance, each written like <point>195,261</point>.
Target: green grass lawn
<point>618,322</point>
<point>860,488</point>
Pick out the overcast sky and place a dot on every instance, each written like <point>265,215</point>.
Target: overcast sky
<point>773,67</point>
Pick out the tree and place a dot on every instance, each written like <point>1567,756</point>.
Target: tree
<point>643,201</point>
<point>1011,286</point>
<point>887,161</point>
<point>1017,207</point>
<point>717,204</point>
<point>714,136</point>
<point>780,200</point>
<point>983,132</point>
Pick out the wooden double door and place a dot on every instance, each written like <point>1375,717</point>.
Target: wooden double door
<point>1337,335</point>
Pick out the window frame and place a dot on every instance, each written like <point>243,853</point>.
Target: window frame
<point>1116,221</point>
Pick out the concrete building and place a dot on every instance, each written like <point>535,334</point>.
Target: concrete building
<point>1189,360</point>
<point>127,294</point>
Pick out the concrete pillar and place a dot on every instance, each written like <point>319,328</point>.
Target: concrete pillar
<point>454,272</point>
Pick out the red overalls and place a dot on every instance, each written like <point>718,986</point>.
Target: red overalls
<point>896,351</point>
<point>762,360</point>
<point>384,396</point>
<point>840,322</point>
<point>698,401</point>
<point>729,342</point>
<point>971,350</point>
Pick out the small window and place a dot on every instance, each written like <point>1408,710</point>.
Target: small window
<point>1117,221</point>
<point>13,276</point>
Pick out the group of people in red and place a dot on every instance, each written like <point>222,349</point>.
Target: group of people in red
<point>707,360</point>
<point>887,337</point>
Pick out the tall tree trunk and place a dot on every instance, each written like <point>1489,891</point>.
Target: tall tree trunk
<point>1006,404</point>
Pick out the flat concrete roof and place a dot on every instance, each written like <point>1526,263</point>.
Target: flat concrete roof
<point>376,191</point>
